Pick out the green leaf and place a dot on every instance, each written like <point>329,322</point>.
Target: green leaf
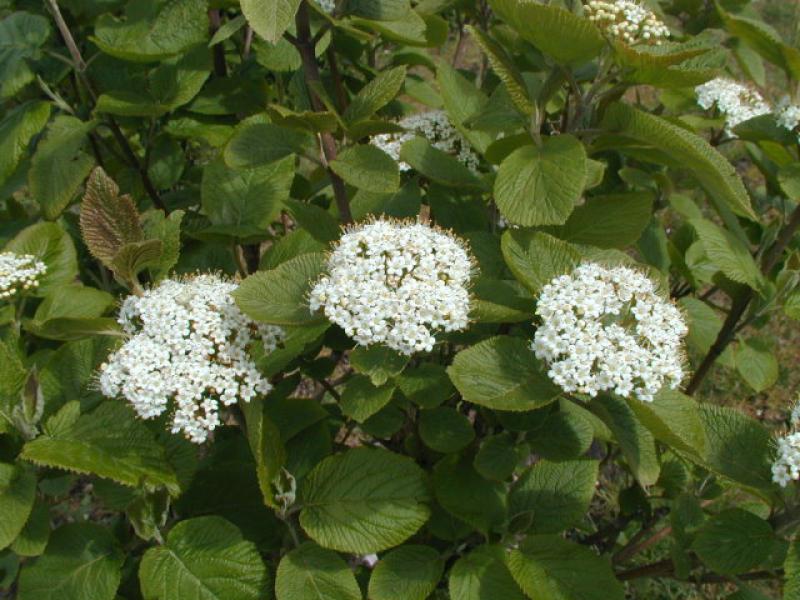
<point>540,185</point>
<point>265,444</point>
<point>551,568</point>
<point>207,558</point>
<point>33,538</point>
<point>757,364</point>
<point>375,95</point>
<point>16,130</point>
<point>612,221</point>
<point>500,301</point>
<point>554,496</point>
<point>256,144</point>
<point>463,493</point>
<point>636,442</point>
<point>791,589</point>
<point>565,36</point>
<point>279,296</point>
<point>82,561</point>
<point>17,494</point>
<point>734,541</point>
<point>497,457</point>
<point>402,204</point>
<point>536,258</point>
<point>361,399</point>
<point>135,257</point>
<point>379,10</point>
<point>270,18</point>
<point>21,37</point>
<point>379,362</point>
<point>563,435</point>
<point>728,254</point>
<point>505,69</point>
<point>314,220</point>
<point>683,149</point>
<point>364,500</point>
<point>483,575</point>
<point>445,430</point>
<point>368,168</point>
<point>674,419</point>
<point>436,165</point>
<point>426,385</point>
<point>59,164</point>
<point>74,301</point>
<point>168,231</point>
<point>244,202</point>
<point>109,442</point>
<point>153,30</point>
<point>313,573</point>
<point>49,243</point>
<point>462,99</point>
<point>502,373</point>
<point>406,573</point>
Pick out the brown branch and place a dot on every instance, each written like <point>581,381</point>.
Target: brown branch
<point>635,546</point>
<point>662,568</point>
<point>220,67</point>
<point>338,85</point>
<point>248,42</point>
<point>66,35</point>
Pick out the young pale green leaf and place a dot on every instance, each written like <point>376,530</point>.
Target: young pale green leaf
<point>16,131</point>
<point>375,95</point>
<point>734,541</point>
<point>728,254</point>
<point>270,18</point>
<point>59,164</point>
<point>549,567</point>
<point>540,185</point>
<point>463,493</point>
<point>682,148</point>
<point>49,243</point>
<point>553,496</point>
<point>205,557</point>
<point>757,364</point>
<point>445,430</point>
<point>108,442</point>
<point>483,575</point>
<point>379,362</point>
<point>406,573</point>
<point>82,561</point>
<point>361,399</point>
<point>502,373</point>
<point>536,258</point>
<point>168,231</point>
<point>17,494</point>
<point>674,419</point>
<point>364,500</point>
<point>279,296</point>
<point>368,168</point>
<point>312,573</point>
<point>134,257</point>
<point>436,165</point>
<point>152,30</point>
<point>21,37</point>
<point>257,144</point>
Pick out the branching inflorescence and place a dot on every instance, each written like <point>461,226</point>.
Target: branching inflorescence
<point>19,272</point>
<point>188,344</point>
<point>786,467</point>
<point>628,21</point>
<point>735,101</point>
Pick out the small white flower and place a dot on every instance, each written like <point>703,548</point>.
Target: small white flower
<point>327,5</point>
<point>397,284</point>
<point>786,467</point>
<point>19,272</point>
<point>188,345</point>
<point>628,21</point>
<point>787,114</point>
<point>735,101</point>
<point>435,127</point>
<point>606,329</point>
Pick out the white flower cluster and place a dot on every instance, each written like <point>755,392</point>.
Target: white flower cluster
<point>188,344</point>
<point>628,21</point>
<point>327,5</point>
<point>396,283</point>
<point>606,329</point>
<point>434,126</point>
<point>786,467</point>
<point>737,102</point>
<point>787,114</point>
<point>19,272</point>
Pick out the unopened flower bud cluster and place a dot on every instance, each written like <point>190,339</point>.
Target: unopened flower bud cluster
<point>397,284</point>
<point>628,21</point>
<point>188,346</point>
<point>19,272</point>
<point>435,127</point>
<point>607,329</point>
<point>786,467</point>
<point>735,101</point>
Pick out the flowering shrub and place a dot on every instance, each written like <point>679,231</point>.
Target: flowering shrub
<point>397,300</point>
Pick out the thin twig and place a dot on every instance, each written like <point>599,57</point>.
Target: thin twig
<point>215,20</point>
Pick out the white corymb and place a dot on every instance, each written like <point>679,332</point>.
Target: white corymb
<point>188,344</point>
<point>735,101</point>
<point>19,272</point>
<point>606,329</point>
<point>786,467</point>
<point>435,127</point>
<point>397,284</point>
<point>327,5</point>
<point>627,20</point>
<point>787,114</point>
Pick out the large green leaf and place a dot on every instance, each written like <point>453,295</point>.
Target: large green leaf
<point>17,493</point>
<point>109,442</point>
<point>375,95</point>
<point>379,362</point>
<point>728,254</point>
<point>59,164</point>
<point>734,541</point>
<point>21,37</point>
<point>168,231</point>
<point>674,419</point>
<point>82,561</point>
<point>16,130</point>
<point>153,30</point>
<point>204,558</point>
<point>368,168</point>
<point>757,364</point>
<point>549,567</point>
<point>445,430</point>
<point>791,566</point>
<point>539,185</point>
<point>270,18</point>
<point>502,373</point>
<point>682,149</point>
<point>406,573</point>
<point>463,493</point>
<point>49,243</point>
<point>364,500</point>
<point>437,165</point>
<point>361,399</point>
<point>312,573</point>
<point>279,296</point>
<point>483,575</point>
<point>536,258</point>
<point>256,144</point>
<point>462,99</point>
<point>553,496</point>
<point>265,444</point>
<point>33,538</point>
